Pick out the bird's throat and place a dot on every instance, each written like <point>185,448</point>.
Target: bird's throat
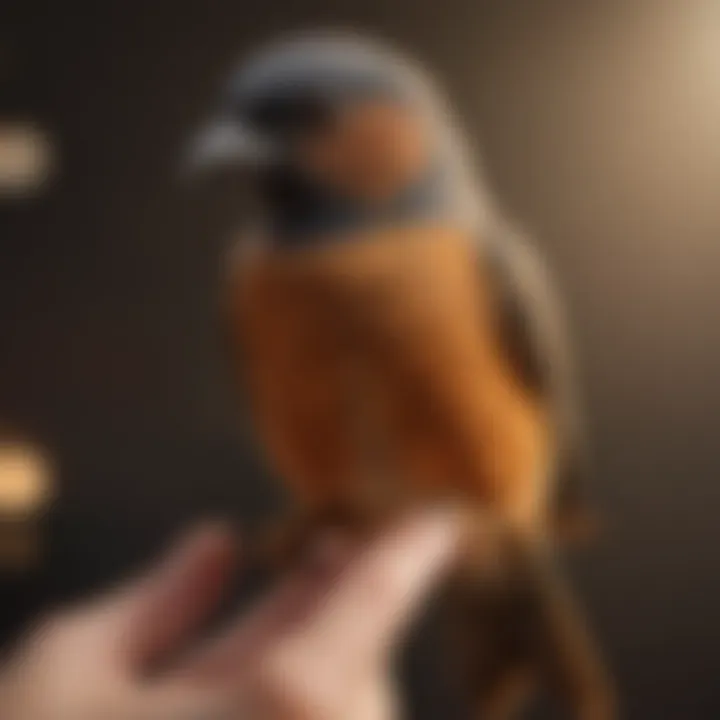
<point>303,213</point>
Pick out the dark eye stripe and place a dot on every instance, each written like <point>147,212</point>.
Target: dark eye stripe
<point>290,114</point>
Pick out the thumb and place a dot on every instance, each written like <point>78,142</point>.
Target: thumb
<point>182,703</point>
<point>173,599</point>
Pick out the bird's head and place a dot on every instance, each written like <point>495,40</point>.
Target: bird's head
<point>332,126</point>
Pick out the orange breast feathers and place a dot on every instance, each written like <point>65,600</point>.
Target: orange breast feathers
<point>374,367</point>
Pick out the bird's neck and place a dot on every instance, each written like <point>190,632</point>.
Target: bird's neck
<point>302,213</point>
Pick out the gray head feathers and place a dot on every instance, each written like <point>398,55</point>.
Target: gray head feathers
<point>338,63</point>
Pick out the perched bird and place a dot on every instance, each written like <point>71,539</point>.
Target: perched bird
<point>401,343</point>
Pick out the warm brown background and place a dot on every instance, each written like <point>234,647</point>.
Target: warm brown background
<point>600,123</point>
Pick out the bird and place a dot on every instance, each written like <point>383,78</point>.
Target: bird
<point>401,341</point>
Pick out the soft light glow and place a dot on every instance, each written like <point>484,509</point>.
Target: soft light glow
<point>24,480</point>
<point>27,159</point>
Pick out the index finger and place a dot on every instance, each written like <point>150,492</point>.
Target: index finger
<point>383,586</point>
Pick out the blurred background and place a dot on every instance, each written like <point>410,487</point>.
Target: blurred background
<point>599,126</point>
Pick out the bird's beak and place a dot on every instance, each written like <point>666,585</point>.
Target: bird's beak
<point>225,144</point>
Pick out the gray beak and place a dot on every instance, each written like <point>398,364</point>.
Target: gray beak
<point>226,143</point>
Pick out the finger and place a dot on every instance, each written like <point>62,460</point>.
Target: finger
<point>383,587</point>
<point>178,702</point>
<point>285,608</point>
<point>376,697</point>
<point>168,604</point>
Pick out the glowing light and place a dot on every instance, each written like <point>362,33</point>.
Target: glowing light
<point>27,159</point>
<point>24,480</point>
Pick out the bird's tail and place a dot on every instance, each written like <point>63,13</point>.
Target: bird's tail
<point>518,631</point>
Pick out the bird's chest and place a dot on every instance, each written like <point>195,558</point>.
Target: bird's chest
<point>386,351</point>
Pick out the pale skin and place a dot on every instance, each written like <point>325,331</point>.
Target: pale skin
<point>318,647</point>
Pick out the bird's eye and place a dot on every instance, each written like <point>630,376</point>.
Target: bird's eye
<point>291,116</point>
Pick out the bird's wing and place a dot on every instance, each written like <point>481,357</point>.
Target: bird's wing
<point>534,332</point>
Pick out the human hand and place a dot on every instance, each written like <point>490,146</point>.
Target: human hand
<point>317,647</point>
